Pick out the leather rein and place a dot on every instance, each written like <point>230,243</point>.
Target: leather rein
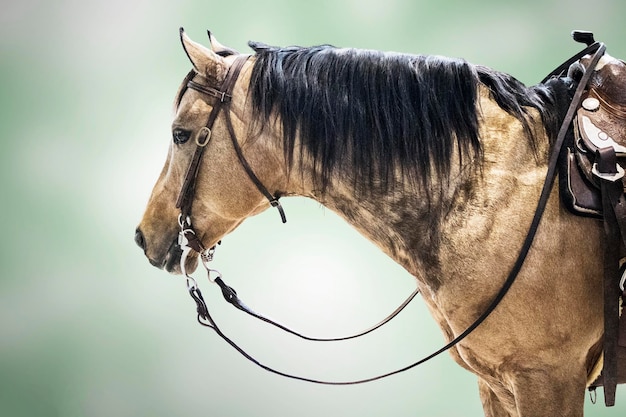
<point>188,239</point>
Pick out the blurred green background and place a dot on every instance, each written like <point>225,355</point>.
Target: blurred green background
<point>89,328</point>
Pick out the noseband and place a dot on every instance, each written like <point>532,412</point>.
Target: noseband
<point>188,239</point>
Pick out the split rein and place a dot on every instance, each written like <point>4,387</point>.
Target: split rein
<point>189,241</point>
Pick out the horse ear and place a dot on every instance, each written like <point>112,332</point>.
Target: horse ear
<point>218,48</point>
<point>206,62</point>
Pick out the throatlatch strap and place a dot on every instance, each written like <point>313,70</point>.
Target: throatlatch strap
<point>244,163</point>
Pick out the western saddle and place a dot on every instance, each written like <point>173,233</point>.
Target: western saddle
<point>591,174</point>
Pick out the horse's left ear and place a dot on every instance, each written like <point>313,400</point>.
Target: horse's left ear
<point>206,62</point>
<point>218,48</point>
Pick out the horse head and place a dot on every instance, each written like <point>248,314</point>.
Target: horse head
<point>206,181</point>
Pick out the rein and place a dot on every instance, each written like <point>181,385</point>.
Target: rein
<point>188,239</point>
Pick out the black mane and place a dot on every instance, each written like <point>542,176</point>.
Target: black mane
<point>368,114</point>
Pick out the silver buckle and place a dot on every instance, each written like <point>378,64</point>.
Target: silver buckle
<point>606,176</point>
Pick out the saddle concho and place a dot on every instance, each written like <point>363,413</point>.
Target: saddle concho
<point>600,122</point>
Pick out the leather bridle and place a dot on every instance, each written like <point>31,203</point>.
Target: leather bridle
<point>188,239</point>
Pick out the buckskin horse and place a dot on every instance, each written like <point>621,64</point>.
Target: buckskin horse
<point>437,161</point>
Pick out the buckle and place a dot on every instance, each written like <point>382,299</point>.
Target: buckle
<point>608,176</point>
<point>224,97</point>
<point>206,132</point>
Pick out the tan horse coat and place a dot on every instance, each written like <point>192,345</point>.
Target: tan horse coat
<point>535,354</point>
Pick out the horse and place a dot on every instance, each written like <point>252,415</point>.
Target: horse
<point>437,161</point>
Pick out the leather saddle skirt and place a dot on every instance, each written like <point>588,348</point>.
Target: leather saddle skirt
<point>600,122</point>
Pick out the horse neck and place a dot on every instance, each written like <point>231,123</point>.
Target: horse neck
<point>408,221</point>
<point>402,223</point>
<point>401,220</point>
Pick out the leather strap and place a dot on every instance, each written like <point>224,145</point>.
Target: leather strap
<point>221,94</point>
<point>614,210</point>
<point>231,296</point>
<point>244,163</point>
<point>621,341</point>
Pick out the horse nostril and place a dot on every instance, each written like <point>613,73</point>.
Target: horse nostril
<point>139,239</point>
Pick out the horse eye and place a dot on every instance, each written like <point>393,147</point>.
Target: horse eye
<point>180,136</point>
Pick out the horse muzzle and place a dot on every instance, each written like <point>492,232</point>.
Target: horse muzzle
<point>170,259</point>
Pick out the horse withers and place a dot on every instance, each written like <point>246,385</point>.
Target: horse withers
<point>437,161</point>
